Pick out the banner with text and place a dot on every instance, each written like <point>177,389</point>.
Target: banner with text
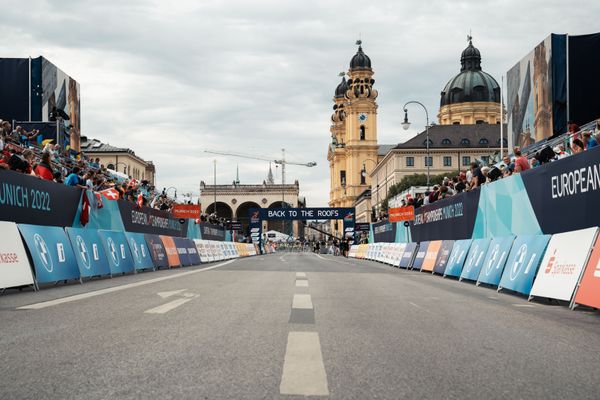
<point>14,264</point>
<point>89,252</point>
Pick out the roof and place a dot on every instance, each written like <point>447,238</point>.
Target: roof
<point>96,146</point>
<point>384,149</point>
<point>453,136</point>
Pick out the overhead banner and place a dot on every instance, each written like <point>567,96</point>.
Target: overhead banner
<point>89,252</point>
<point>191,211</point>
<point>51,252</point>
<point>474,260</point>
<point>432,252</point>
<point>149,220</point>
<point>563,263</point>
<point>589,288</point>
<point>26,199</point>
<point>452,218</point>
<point>140,252</point>
<point>384,231</point>
<point>420,256</point>
<point>14,264</point>
<point>157,251</point>
<point>443,257</point>
<point>117,251</point>
<point>407,256</point>
<point>523,262</point>
<point>457,257</point>
<point>495,260</point>
<point>277,214</point>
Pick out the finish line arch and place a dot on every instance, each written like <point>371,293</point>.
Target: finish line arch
<point>257,215</point>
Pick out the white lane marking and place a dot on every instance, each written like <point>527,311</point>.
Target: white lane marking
<point>282,260</point>
<point>164,295</point>
<point>303,368</point>
<point>302,283</point>
<point>50,303</point>
<point>493,298</point>
<point>167,307</point>
<point>300,274</point>
<point>523,305</point>
<point>302,301</point>
<point>322,258</point>
<point>419,307</point>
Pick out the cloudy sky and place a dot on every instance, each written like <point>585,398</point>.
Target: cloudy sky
<point>171,79</point>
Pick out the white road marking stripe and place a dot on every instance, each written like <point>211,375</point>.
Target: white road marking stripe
<point>300,274</point>
<point>167,307</point>
<point>302,301</point>
<point>322,258</point>
<point>50,303</point>
<point>303,368</point>
<point>523,305</point>
<point>302,283</point>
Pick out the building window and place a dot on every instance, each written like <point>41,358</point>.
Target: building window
<point>111,166</point>
<point>466,160</point>
<point>504,142</point>
<point>429,161</point>
<point>363,177</point>
<point>362,132</point>
<point>479,122</point>
<point>446,141</point>
<point>430,142</point>
<point>456,123</point>
<point>447,161</point>
<point>465,142</point>
<point>410,161</point>
<point>483,141</point>
<point>343,178</point>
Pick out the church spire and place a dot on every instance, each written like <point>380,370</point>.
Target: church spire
<point>237,174</point>
<point>270,179</point>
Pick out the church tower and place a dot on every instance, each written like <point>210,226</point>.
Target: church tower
<point>353,151</point>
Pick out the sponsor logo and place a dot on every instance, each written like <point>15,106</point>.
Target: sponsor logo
<point>519,261</point>
<point>9,258</point>
<point>597,270</point>
<point>136,252</point>
<point>555,267</point>
<point>83,252</point>
<point>472,259</point>
<point>112,250</point>
<point>492,261</point>
<point>43,252</point>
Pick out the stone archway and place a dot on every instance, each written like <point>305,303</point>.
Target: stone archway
<point>241,214</point>
<point>280,226</point>
<point>223,210</point>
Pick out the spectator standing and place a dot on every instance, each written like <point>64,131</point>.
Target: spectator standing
<point>477,176</point>
<point>73,178</point>
<point>43,169</point>
<point>521,163</point>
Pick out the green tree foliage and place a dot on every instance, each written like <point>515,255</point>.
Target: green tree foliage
<point>414,180</point>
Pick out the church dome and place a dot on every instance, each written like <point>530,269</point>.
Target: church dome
<point>471,84</point>
<point>341,89</point>
<point>360,59</point>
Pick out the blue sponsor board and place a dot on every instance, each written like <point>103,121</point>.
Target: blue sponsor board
<point>157,251</point>
<point>182,250</point>
<point>457,258</point>
<point>88,251</point>
<point>443,256</point>
<point>420,256</point>
<point>408,254</point>
<point>51,252</point>
<point>523,262</point>
<point>192,251</point>
<point>139,251</point>
<point>495,259</point>
<point>117,251</point>
<point>475,259</point>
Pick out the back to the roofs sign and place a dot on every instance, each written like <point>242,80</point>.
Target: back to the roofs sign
<point>440,214</point>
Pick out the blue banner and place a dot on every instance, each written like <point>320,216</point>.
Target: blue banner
<point>51,252</point>
<point>443,257</point>
<point>192,251</point>
<point>157,251</point>
<point>457,257</point>
<point>408,254</point>
<point>117,251</point>
<point>139,251</point>
<point>474,260</point>
<point>182,246</point>
<point>420,257</point>
<point>523,262</point>
<point>495,259</point>
<point>89,252</point>
<point>275,214</point>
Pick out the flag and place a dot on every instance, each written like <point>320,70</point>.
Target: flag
<point>111,194</point>
<point>140,200</point>
<point>84,218</point>
<point>99,203</point>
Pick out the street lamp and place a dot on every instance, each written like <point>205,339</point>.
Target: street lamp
<point>405,125</point>
<point>363,173</point>
<point>172,187</point>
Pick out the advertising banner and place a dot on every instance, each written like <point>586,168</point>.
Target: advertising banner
<point>192,251</point>
<point>51,252</point>
<point>211,232</point>
<point>384,232</point>
<point>495,260</point>
<point>117,251</point>
<point>523,262</point>
<point>474,260</point>
<point>432,253</point>
<point>400,214</point>
<point>561,267</point>
<point>407,256</point>
<point>420,256</point>
<point>321,213</point>
<point>589,288</point>
<point>157,251</point>
<point>457,258</point>
<point>362,227</point>
<point>400,248</point>
<point>451,218</point>
<point>26,199</point>
<point>89,252</point>
<point>171,250</point>
<point>150,220</point>
<point>188,211</point>
<point>15,269</point>
<point>182,251</point>
<point>443,257</point>
<point>140,252</point>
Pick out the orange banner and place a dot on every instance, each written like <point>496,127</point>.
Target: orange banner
<point>432,252</point>
<point>399,214</point>
<point>589,288</point>
<point>171,250</point>
<point>186,211</point>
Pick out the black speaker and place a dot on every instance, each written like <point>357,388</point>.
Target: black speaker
<point>545,155</point>
<point>494,174</point>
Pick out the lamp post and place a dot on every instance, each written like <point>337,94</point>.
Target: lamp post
<point>364,174</point>
<point>172,187</point>
<point>406,125</point>
<point>215,187</point>
<point>124,169</point>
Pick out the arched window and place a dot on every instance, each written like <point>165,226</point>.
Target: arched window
<point>480,122</point>
<point>446,141</point>
<point>465,142</point>
<point>362,132</point>
<point>483,141</point>
<point>504,142</point>
<point>456,123</point>
<point>430,142</point>
<point>111,166</point>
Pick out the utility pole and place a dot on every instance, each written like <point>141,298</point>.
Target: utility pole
<point>215,187</point>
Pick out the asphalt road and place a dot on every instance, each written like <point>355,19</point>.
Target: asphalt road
<point>289,326</point>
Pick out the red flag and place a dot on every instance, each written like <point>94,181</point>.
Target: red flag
<point>99,203</point>
<point>140,200</point>
<point>84,218</point>
<point>111,194</point>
